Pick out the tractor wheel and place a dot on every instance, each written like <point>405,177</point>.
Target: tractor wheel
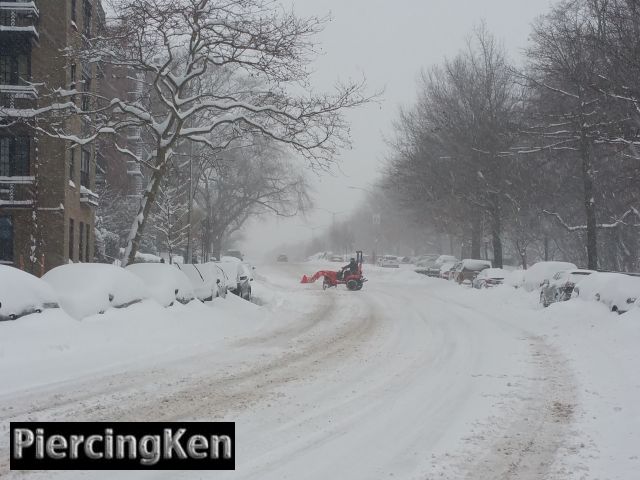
<point>353,285</point>
<point>326,283</point>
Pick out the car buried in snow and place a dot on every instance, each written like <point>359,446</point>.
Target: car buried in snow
<point>22,294</point>
<point>465,271</point>
<point>489,277</point>
<point>389,261</point>
<point>561,286</point>
<point>618,291</point>
<point>240,276</point>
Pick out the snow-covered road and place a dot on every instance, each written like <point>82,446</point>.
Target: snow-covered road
<point>411,378</point>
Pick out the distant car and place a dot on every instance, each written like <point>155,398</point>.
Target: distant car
<point>336,258</point>
<point>389,261</point>
<point>619,292</point>
<point>560,287</point>
<point>207,279</point>
<point>405,260</point>
<point>240,276</point>
<point>23,294</point>
<point>466,270</point>
<point>165,283</point>
<point>435,269</point>
<point>283,258</point>
<point>426,261</point>
<point>540,272</point>
<point>235,253</point>
<point>489,277</point>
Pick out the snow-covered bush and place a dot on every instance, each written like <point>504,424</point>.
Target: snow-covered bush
<point>22,293</point>
<point>85,289</point>
<point>165,283</point>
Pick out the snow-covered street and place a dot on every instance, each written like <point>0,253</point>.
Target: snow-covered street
<point>411,378</point>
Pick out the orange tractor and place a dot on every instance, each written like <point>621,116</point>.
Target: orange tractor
<point>353,280</point>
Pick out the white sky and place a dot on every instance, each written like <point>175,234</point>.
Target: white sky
<point>388,42</point>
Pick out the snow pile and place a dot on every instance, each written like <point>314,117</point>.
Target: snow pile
<point>85,289</point>
<point>165,283</point>
<point>22,293</point>
<point>541,271</point>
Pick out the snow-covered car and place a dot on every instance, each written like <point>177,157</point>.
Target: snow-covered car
<point>85,289</point>
<point>515,278</point>
<point>233,253</point>
<point>436,269</point>
<point>389,261</point>
<point>207,280</point>
<point>560,287</point>
<point>283,258</point>
<point>240,276</point>
<point>489,277</point>
<point>23,294</point>
<point>426,261</point>
<point>165,283</point>
<point>619,292</point>
<point>466,270</point>
<point>336,258</point>
<point>535,275</point>
<point>446,270</point>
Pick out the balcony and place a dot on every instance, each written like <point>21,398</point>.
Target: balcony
<point>16,192</point>
<point>87,197</point>
<point>18,96</point>
<point>19,17</point>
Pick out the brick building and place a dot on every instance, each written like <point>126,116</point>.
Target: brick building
<point>47,199</point>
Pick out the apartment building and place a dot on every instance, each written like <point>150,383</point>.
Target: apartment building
<point>47,199</point>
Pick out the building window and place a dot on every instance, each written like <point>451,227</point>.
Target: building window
<point>81,243</point>
<point>71,238</point>
<point>6,239</point>
<point>87,15</point>
<point>72,74</point>
<point>73,11</point>
<point>84,168</point>
<point>72,164</point>
<point>86,88</point>
<point>14,156</point>
<point>15,69</point>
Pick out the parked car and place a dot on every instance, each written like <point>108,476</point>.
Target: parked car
<point>336,258</point>
<point>560,287</point>
<point>619,292</point>
<point>22,294</point>
<point>240,276</point>
<point>535,275</point>
<point>85,289</point>
<point>489,277</point>
<point>389,261</point>
<point>283,258</point>
<point>234,253</point>
<point>208,280</point>
<point>435,269</point>
<point>165,284</point>
<point>447,269</point>
<point>466,270</point>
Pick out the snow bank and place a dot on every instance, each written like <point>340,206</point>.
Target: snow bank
<point>165,283</point>
<point>22,293</point>
<point>85,289</point>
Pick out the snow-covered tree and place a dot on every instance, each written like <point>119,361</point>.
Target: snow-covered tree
<point>173,46</point>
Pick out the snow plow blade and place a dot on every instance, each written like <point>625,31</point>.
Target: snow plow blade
<point>305,279</point>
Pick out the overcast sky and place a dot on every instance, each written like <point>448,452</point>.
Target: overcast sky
<point>388,42</point>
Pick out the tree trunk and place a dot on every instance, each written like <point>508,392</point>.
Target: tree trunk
<point>476,235</point>
<point>148,199</point>
<point>589,204</point>
<point>496,233</point>
<point>216,246</point>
